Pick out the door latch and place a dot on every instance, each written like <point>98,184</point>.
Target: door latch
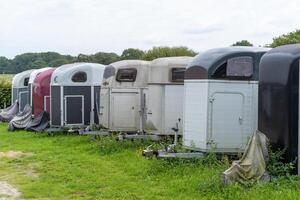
<point>241,120</point>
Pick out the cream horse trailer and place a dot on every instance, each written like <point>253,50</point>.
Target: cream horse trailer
<point>165,95</point>
<point>74,94</point>
<point>20,88</point>
<point>122,98</point>
<point>221,99</point>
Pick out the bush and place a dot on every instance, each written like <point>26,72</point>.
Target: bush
<point>5,90</point>
<point>277,167</point>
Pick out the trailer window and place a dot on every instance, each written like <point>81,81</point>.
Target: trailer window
<point>126,75</point>
<point>79,77</point>
<point>177,74</point>
<point>240,67</point>
<point>26,81</point>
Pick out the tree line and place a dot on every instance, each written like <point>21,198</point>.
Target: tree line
<point>52,59</point>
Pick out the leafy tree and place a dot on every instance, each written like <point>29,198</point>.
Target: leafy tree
<point>131,53</point>
<point>58,62</point>
<point>83,58</point>
<point>4,65</point>
<point>105,58</point>
<point>289,38</point>
<point>242,43</point>
<point>157,52</point>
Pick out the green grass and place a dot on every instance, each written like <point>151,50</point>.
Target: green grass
<point>76,167</point>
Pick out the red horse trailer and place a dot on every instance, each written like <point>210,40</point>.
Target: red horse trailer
<point>41,92</point>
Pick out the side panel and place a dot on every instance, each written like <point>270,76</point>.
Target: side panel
<point>30,94</point>
<point>104,106</point>
<point>16,96</point>
<point>14,92</point>
<point>86,92</point>
<point>55,102</point>
<point>154,109</point>
<point>173,108</point>
<point>47,104</point>
<point>97,103</point>
<point>195,114</point>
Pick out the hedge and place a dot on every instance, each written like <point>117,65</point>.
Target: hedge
<point>5,90</point>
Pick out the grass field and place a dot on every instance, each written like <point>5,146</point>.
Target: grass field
<point>76,167</point>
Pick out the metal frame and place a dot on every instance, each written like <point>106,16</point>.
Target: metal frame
<point>45,102</point>
<point>65,109</point>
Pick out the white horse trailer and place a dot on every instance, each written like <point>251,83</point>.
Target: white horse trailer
<point>122,98</point>
<point>165,95</point>
<point>74,95</point>
<point>20,88</point>
<point>221,99</point>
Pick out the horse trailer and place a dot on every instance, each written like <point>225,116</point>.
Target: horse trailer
<point>122,106</point>
<point>278,104</point>
<point>32,77</point>
<point>165,95</point>
<point>20,88</point>
<point>74,95</point>
<point>221,97</point>
<point>41,92</point>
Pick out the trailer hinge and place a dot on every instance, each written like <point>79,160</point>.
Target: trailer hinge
<point>211,99</point>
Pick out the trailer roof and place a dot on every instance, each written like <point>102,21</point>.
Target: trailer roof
<point>18,79</point>
<point>171,61</point>
<point>141,74</point>
<point>63,74</point>
<point>276,64</point>
<point>206,63</point>
<point>160,68</point>
<point>126,63</point>
<point>39,80</point>
<point>36,72</point>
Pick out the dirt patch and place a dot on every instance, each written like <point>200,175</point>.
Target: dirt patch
<point>14,154</point>
<point>8,192</point>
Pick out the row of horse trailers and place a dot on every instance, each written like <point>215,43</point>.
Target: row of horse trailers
<point>215,100</point>
<point>115,96</point>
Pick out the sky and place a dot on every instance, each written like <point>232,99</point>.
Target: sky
<point>89,26</point>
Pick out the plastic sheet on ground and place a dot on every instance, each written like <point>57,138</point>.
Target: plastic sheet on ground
<point>8,113</point>
<point>39,123</point>
<point>21,120</point>
<point>252,166</point>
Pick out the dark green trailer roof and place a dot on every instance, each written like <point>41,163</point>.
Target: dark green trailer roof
<point>207,63</point>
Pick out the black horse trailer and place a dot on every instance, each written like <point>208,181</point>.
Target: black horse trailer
<point>75,92</point>
<point>279,99</point>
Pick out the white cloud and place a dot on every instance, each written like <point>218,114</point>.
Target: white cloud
<point>88,26</point>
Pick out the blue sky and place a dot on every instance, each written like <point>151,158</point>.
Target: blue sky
<point>89,26</point>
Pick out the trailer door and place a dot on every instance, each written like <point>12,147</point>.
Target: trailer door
<point>23,100</point>
<point>227,120</point>
<point>124,111</point>
<point>74,110</point>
